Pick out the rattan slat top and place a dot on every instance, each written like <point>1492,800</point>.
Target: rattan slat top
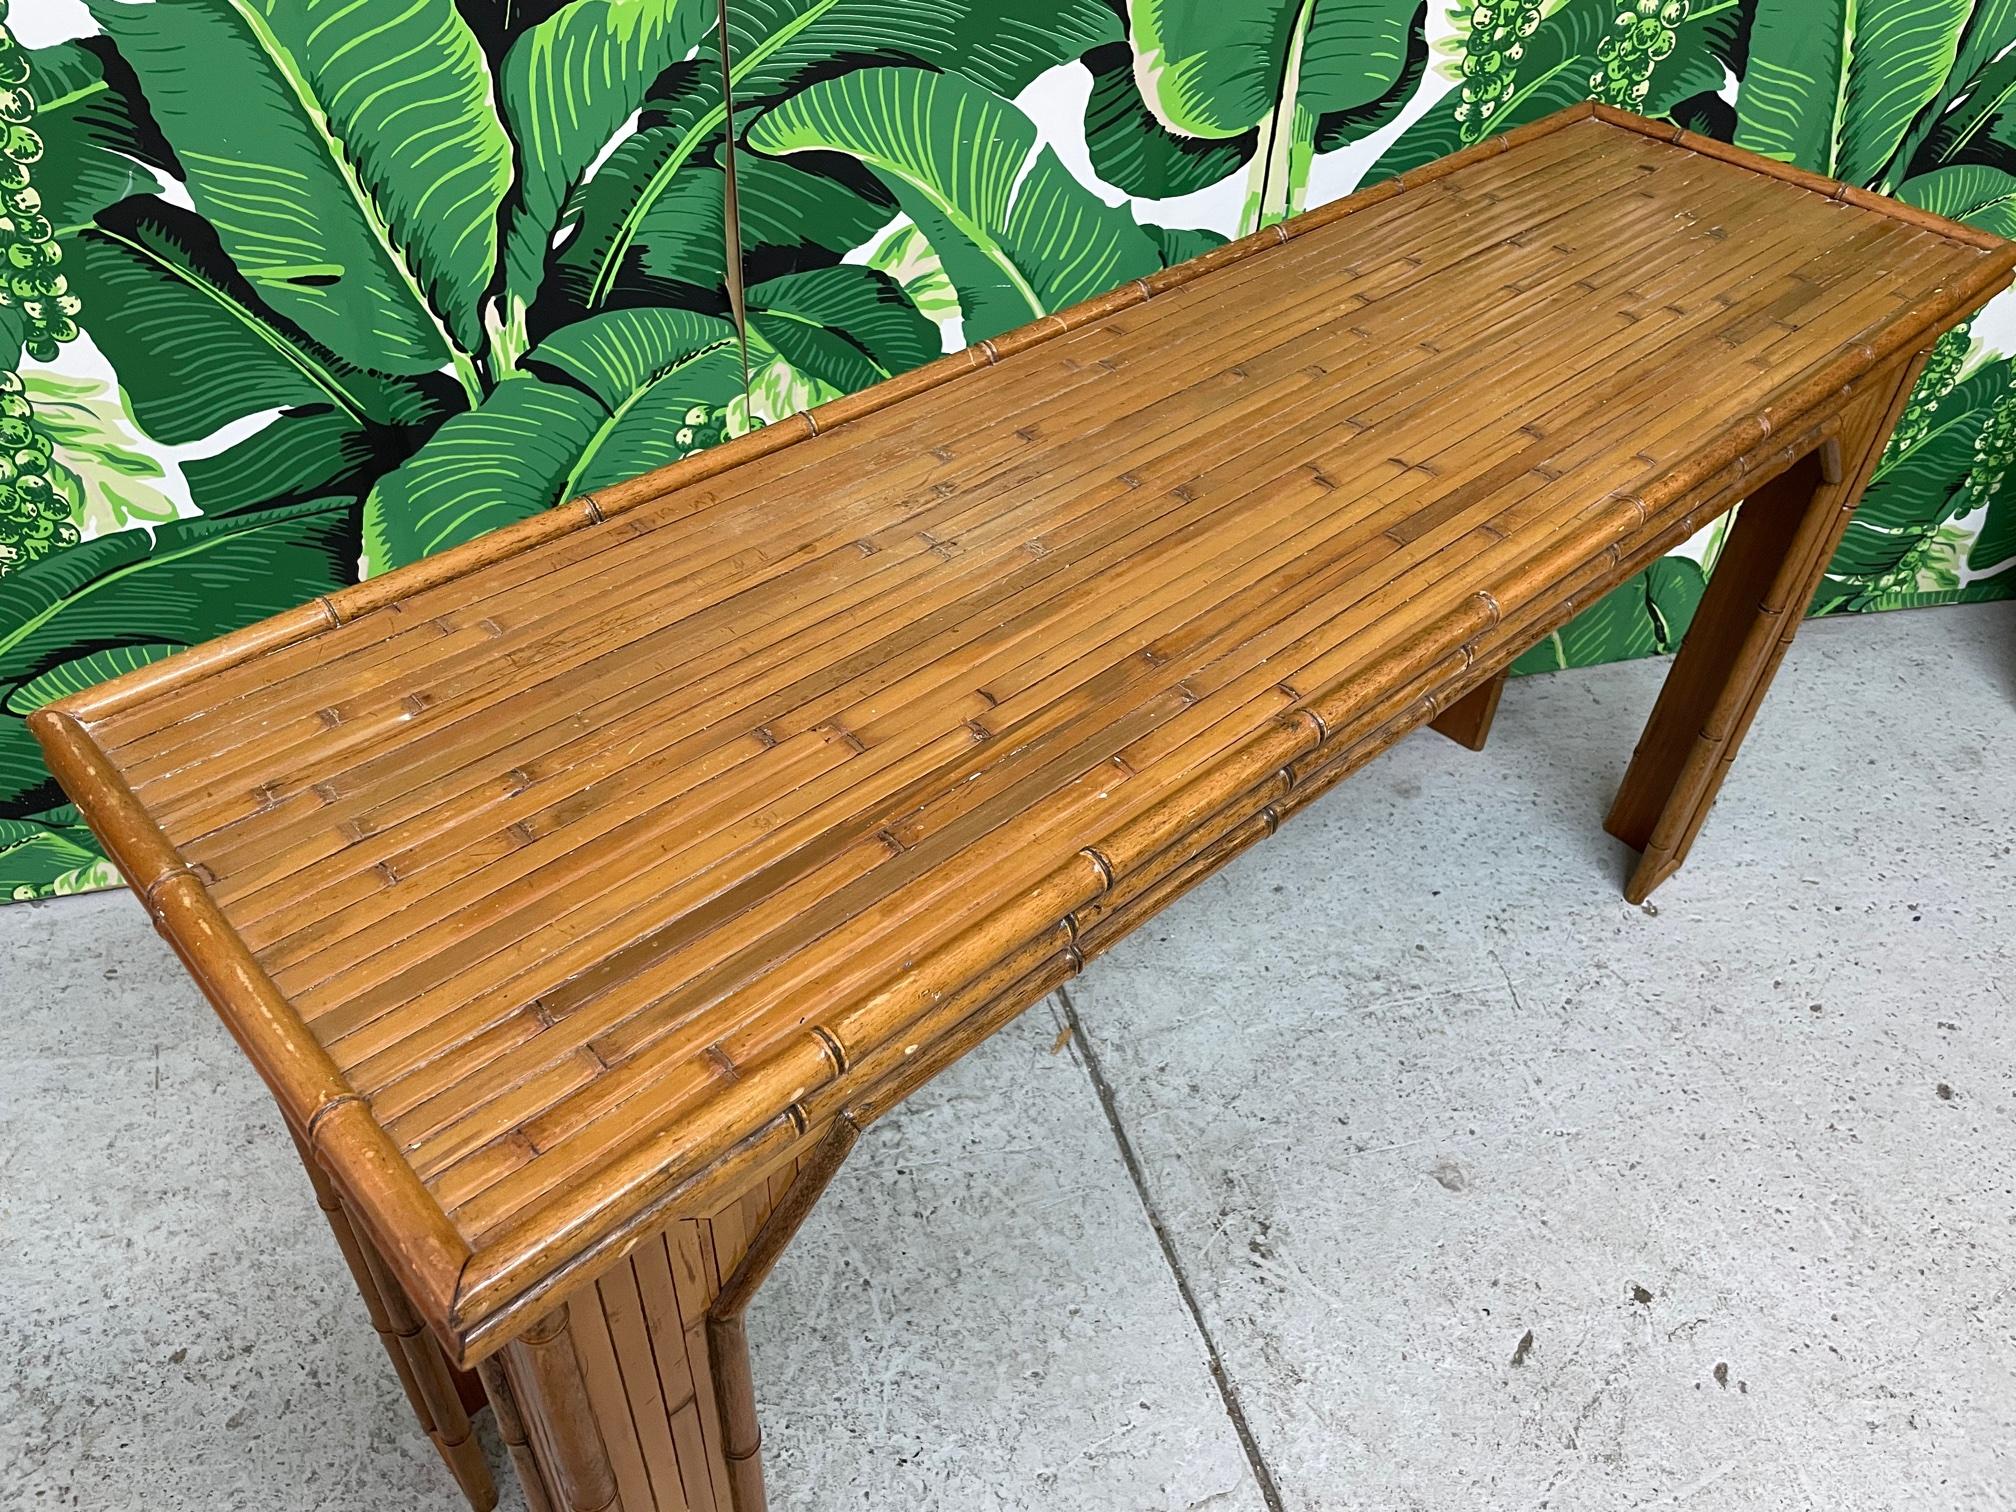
<point>550,878</point>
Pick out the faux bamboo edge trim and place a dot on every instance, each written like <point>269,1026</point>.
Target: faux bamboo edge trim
<point>321,1108</point>
<point>1791,173</point>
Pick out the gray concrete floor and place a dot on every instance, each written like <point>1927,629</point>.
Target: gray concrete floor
<point>1400,1166</point>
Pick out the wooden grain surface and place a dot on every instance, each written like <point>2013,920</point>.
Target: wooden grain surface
<point>594,869</point>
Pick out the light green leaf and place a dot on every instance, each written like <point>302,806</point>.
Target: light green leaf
<point>1018,235</point>
<point>633,379</point>
<point>193,346</point>
<point>775,46</point>
<point>847,325</point>
<point>905,255</point>
<point>777,390</point>
<point>40,860</point>
<point>567,85</point>
<point>184,583</point>
<point>349,155</point>
<point>1970,192</point>
<point>1834,88</point>
<point>102,471</point>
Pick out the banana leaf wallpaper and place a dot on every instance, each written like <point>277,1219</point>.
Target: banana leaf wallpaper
<point>296,291</point>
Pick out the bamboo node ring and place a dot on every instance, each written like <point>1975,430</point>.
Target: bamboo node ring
<point>830,1043</point>
<point>315,1118</point>
<point>1101,864</point>
<point>180,869</point>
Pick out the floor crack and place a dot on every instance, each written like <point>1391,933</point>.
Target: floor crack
<point>1220,1377</point>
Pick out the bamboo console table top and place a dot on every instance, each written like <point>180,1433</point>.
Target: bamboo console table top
<point>584,874</point>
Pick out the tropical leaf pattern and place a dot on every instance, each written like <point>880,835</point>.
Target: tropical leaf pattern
<point>294,291</point>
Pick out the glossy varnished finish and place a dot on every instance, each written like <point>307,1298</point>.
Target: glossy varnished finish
<point>565,885</point>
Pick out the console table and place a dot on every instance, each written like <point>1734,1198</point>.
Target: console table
<point>583,892</point>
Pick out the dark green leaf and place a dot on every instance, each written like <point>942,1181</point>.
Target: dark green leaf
<point>673,236</point>
<point>1018,235</point>
<point>1995,544</point>
<point>301,454</point>
<point>500,462</point>
<point>178,585</point>
<point>1340,128</point>
<point>1706,46</point>
<point>848,326</point>
<point>96,135</point>
<point>1646,616</point>
<point>1133,151</point>
<point>1834,88</point>
<point>1970,192</point>
<point>532,444</point>
<point>35,857</point>
<point>796,217</point>
<point>778,46</point>
<point>567,85</point>
<point>1181,243</point>
<point>1915,491</point>
<point>349,156</point>
<point>193,346</point>
<point>86,671</point>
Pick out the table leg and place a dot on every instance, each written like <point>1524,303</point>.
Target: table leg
<point>636,1394</point>
<point>437,1392</point>
<point>1771,564</point>
<point>1468,720</point>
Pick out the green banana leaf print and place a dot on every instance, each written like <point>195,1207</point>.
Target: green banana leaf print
<point>298,291</point>
<point>1277,79</point>
<point>1645,617</point>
